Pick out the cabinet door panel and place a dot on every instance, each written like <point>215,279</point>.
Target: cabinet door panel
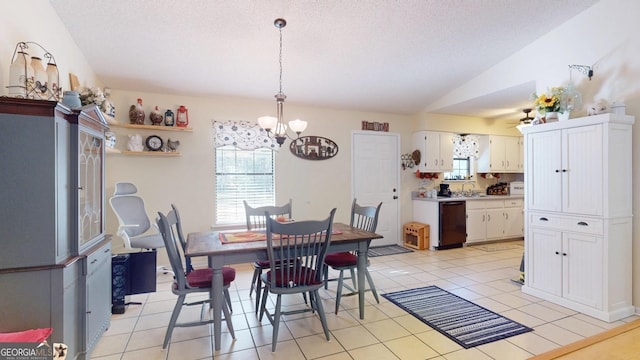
<point>446,152</point>
<point>495,224</point>
<point>582,170</point>
<point>544,171</point>
<point>513,222</point>
<point>476,225</point>
<point>432,155</point>
<point>543,270</point>
<point>582,269</point>
<point>512,154</point>
<point>497,162</point>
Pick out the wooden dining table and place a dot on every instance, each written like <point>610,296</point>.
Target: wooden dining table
<point>343,238</point>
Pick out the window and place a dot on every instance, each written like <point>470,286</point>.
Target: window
<point>243,175</point>
<point>461,170</point>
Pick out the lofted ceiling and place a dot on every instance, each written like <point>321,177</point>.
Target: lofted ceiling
<point>391,56</point>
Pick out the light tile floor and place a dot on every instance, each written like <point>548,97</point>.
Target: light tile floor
<point>480,274</point>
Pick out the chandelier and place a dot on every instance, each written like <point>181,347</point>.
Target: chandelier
<point>276,125</point>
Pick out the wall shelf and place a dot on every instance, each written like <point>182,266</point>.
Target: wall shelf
<point>151,153</point>
<point>155,127</point>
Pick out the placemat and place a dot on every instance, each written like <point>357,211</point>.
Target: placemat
<point>242,236</point>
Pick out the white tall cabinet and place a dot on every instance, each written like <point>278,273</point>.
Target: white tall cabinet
<point>578,214</point>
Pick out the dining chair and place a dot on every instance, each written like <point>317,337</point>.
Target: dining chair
<point>363,218</point>
<point>173,217</point>
<point>256,220</point>
<point>196,281</point>
<point>304,244</point>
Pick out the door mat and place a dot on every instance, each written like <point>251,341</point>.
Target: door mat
<point>460,320</point>
<point>387,250</point>
<point>497,247</point>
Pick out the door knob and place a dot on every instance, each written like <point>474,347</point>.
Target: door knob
<point>394,197</point>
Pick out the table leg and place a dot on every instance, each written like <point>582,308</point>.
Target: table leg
<point>362,266</point>
<point>217,297</point>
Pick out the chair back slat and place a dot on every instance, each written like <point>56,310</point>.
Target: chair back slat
<point>296,250</point>
<point>256,215</point>
<point>365,217</point>
<point>165,224</point>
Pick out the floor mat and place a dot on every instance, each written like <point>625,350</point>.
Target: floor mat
<point>460,320</point>
<point>387,250</point>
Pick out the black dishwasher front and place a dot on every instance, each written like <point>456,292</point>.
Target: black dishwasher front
<point>453,225</point>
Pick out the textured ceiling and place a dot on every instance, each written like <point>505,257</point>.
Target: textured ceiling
<point>395,56</point>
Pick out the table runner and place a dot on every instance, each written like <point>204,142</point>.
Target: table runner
<point>250,236</point>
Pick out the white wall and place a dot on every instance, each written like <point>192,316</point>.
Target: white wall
<point>188,180</point>
<point>35,21</point>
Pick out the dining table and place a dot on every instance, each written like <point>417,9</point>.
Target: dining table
<point>210,244</point>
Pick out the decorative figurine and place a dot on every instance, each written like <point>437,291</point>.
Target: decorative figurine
<point>136,113</point>
<point>182,117</point>
<point>168,118</point>
<point>135,143</point>
<point>156,117</point>
<point>173,145</point>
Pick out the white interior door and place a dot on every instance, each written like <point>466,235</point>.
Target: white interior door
<point>375,163</point>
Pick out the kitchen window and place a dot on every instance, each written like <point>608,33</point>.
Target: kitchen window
<point>243,175</point>
<point>461,169</point>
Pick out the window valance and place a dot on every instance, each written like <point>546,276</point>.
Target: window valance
<point>466,146</point>
<point>244,135</point>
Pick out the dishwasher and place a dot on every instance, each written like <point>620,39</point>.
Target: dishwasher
<point>453,225</point>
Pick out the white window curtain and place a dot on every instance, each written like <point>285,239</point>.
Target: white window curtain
<point>243,135</point>
<point>466,146</point>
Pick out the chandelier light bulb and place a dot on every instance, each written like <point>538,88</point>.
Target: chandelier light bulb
<point>298,125</point>
<point>267,122</point>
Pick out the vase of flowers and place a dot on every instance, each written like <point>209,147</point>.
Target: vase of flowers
<point>548,104</point>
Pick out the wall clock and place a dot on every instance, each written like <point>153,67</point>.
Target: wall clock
<point>313,148</point>
<point>154,143</point>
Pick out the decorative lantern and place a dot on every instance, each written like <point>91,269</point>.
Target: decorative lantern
<point>182,118</point>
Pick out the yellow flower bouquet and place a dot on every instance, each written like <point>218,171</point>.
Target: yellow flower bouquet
<point>548,102</point>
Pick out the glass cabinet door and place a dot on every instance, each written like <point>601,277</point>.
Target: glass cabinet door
<point>90,177</point>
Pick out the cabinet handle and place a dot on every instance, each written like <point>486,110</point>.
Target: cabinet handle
<point>488,217</point>
<point>94,261</point>
<point>582,223</point>
<point>441,162</point>
<point>557,170</point>
<point>543,219</point>
<point>506,216</point>
<point>107,250</point>
<point>557,253</point>
<point>564,254</point>
<point>564,170</point>
<point>483,218</point>
<point>436,163</point>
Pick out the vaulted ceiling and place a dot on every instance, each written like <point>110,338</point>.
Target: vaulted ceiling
<point>394,56</point>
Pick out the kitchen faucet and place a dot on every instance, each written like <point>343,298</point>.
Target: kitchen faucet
<point>473,185</point>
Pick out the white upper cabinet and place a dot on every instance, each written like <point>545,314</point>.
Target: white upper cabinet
<point>500,154</point>
<point>436,151</point>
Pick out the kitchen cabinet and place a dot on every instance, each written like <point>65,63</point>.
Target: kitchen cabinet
<point>428,212</point>
<point>436,151</point>
<point>52,221</point>
<point>494,220</point>
<point>567,263</point>
<point>578,211</point>
<point>500,154</point>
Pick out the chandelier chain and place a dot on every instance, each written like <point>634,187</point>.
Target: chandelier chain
<point>280,61</point>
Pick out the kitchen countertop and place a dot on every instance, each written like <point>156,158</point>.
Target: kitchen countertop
<point>414,196</point>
